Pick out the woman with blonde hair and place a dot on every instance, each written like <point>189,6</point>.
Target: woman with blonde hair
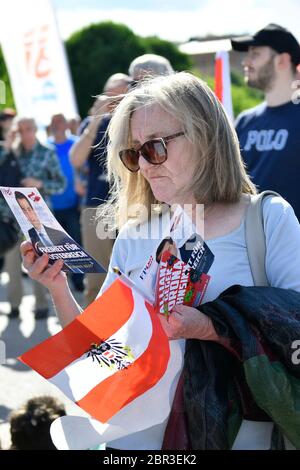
<point>171,143</point>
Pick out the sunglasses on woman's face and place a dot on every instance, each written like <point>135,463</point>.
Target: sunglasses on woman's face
<point>153,151</point>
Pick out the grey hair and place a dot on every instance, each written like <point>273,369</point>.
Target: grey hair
<point>115,80</point>
<point>149,64</point>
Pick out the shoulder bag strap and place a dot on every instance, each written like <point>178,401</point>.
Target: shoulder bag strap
<point>255,238</point>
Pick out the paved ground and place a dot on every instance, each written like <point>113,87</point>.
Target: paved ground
<point>18,383</point>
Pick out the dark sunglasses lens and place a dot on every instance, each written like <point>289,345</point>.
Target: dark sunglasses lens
<point>154,152</point>
<point>130,158</point>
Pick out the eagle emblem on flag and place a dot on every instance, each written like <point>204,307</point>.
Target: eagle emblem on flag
<point>111,354</point>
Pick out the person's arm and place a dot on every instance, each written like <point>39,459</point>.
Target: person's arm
<point>66,307</point>
<point>54,279</point>
<point>81,149</point>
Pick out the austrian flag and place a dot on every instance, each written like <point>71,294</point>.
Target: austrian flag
<point>108,356</point>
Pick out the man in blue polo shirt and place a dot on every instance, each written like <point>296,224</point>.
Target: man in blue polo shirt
<point>269,134</point>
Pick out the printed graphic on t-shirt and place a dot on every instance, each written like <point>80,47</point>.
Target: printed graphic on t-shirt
<point>266,140</point>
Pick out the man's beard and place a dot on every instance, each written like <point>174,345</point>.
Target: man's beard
<point>265,77</point>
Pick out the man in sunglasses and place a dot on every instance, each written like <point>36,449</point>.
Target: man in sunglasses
<point>269,134</point>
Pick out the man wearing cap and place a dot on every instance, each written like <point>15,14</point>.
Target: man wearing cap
<point>269,134</point>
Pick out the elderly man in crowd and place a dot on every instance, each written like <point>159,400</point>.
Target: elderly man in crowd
<point>40,168</point>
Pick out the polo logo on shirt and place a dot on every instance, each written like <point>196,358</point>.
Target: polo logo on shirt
<point>266,139</point>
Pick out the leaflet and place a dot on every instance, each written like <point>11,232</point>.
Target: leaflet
<point>176,272</point>
<point>39,226</point>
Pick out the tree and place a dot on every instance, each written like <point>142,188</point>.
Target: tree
<point>243,97</point>
<point>155,45</point>
<point>9,99</point>
<point>98,51</point>
<point>95,53</point>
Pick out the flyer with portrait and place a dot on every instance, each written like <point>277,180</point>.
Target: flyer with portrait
<point>177,271</point>
<point>39,226</point>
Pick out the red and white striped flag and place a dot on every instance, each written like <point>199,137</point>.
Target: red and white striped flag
<point>223,81</point>
<point>109,360</point>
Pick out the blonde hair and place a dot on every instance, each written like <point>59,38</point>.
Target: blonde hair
<point>220,175</point>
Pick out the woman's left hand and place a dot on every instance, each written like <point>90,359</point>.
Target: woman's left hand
<point>188,322</point>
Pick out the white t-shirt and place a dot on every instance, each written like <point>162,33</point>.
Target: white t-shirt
<point>230,266</point>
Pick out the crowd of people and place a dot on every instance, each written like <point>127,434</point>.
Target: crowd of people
<point>156,137</point>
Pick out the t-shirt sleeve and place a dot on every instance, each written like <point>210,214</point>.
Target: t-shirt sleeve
<point>282,232</point>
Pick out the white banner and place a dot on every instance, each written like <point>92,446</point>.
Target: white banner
<point>35,57</point>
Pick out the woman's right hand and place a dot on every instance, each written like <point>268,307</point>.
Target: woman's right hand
<point>39,270</point>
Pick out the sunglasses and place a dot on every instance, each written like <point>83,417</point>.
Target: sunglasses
<point>153,151</point>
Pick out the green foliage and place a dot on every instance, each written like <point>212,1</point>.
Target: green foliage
<point>98,51</point>
<point>243,97</point>
<point>5,78</point>
<point>155,45</point>
<point>95,53</point>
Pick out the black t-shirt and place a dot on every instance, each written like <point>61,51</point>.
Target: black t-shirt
<point>270,146</point>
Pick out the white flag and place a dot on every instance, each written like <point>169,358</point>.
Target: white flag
<point>35,57</point>
<point>223,81</point>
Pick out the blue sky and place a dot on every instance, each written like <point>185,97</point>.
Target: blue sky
<point>178,20</point>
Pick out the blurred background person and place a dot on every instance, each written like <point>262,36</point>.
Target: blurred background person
<point>30,424</point>
<point>74,124</point>
<point>149,65</point>
<point>66,205</point>
<point>40,168</point>
<point>6,119</point>
<point>90,152</point>
<point>9,176</point>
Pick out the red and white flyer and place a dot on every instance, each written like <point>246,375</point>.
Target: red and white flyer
<point>39,226</point>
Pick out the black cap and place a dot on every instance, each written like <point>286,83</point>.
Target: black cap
<point>274,36</point>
